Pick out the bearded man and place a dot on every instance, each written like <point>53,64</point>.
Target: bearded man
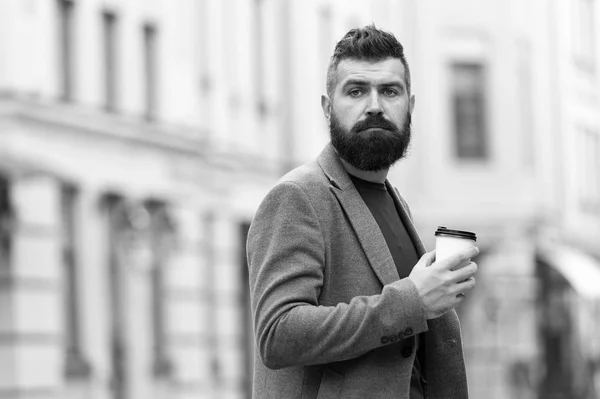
<point>346,301</point>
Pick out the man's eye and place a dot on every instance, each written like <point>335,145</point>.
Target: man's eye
<point>355,92</point>
<point>390,92</point>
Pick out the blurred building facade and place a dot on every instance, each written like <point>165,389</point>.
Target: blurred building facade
<point>138,138</point>
<point>506,143</point>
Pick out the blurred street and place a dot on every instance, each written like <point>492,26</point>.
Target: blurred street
<point>137,139</point>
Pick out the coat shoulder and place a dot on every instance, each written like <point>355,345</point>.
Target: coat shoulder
<point>309,177</point>
<point>303,186</point>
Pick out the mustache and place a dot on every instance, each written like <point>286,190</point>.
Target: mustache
<point>374,121</point>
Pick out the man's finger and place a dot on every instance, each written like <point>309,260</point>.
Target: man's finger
<point>457,259</point>
<point>465,286</point>
<point>464,273</point>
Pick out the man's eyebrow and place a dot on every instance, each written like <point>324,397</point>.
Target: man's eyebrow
<point>398,83</point>
<point>356,82</point>
<point>360,82</point>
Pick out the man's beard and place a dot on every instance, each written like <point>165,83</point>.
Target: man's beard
<point>371,151</point>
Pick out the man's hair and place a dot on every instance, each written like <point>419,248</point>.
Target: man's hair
<point>369,44</point>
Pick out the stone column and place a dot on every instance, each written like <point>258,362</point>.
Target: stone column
<point>31,292</point>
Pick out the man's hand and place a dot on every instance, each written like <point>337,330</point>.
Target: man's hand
<point>441,288</point>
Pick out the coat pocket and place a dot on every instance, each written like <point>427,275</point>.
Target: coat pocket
<point>331,385</point>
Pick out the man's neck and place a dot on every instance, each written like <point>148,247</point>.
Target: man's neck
<point>374,177</point>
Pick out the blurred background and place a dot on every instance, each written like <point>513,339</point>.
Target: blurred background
<point>137,139</point>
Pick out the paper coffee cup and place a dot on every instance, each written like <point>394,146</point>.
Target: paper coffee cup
<point>448,242</point>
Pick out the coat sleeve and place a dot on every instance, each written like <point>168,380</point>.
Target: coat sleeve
<point>286,260</point>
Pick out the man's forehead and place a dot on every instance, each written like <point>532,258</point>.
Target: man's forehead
<point>389,69</point>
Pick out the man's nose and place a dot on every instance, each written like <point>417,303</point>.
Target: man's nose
<point>374,106</point>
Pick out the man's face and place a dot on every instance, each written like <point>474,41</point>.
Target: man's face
<point>370,113</point>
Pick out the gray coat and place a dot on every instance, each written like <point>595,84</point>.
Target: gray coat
<point>331,317</point>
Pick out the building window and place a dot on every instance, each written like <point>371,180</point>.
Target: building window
<point>65,14</point>
<point>286,57</point>
<point>150,71</point>
<point>468,108</point>
<point>75,364</point>
<point>109,26</point>
<point>259,60</point>
<point>203,48</point>
<point>583,27</point>
<point>325,36</point>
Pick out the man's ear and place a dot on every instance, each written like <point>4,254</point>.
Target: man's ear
<point>326,105</point>
<point>412,103</point>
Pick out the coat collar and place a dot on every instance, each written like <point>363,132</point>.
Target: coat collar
<point>367,230</point>
<point>330,163</point>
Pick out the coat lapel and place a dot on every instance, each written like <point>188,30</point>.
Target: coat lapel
<point>368,232</point>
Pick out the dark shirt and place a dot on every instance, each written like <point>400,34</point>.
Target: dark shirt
<point>381,204</point>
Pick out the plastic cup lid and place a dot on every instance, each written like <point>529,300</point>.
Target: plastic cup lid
<point>444,231</point>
